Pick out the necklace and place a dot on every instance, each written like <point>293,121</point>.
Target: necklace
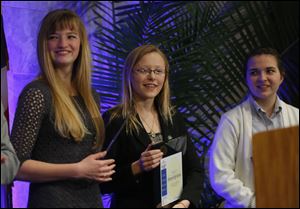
<point>152,134</point>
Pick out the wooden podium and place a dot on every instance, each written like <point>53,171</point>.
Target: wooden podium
<point>276,168</point>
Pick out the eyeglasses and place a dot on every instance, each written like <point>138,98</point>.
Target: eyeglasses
<point>148,71</point>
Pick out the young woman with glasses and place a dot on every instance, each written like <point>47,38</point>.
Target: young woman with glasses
<point>149,119</point>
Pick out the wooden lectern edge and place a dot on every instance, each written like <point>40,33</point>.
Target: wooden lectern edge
<point>276,167</point>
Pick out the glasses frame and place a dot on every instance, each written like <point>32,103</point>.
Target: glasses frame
<point>148,71</point>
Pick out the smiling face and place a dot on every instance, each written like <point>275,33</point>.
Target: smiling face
<point>263,76</point>
<point>64,47</point>
<point>148,76</point>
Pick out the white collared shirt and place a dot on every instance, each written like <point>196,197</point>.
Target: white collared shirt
<point>260,119</point>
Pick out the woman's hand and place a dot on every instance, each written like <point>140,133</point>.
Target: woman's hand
<point>182,204</point>
<point>149,160</point>
<point>94,168</point>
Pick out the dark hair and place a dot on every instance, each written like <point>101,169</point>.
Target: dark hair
<point>267,51</point>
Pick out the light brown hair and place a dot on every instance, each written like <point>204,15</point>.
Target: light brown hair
<point>68,121</point>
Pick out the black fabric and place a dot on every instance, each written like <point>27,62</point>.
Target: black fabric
<point>141,191</point>
<point>34,137</point>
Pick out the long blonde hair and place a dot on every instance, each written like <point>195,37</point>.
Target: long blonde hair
<point>68,121</point>
<point>162,100</point>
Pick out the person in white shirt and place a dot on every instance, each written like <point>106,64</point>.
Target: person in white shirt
<point>230,167</point>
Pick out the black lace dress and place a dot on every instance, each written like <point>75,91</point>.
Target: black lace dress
<point>34,137</point>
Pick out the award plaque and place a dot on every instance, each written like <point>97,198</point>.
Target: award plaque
<point>166,188</point>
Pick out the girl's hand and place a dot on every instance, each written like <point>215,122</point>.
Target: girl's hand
<point>95,168</point>
<point>150,159</point>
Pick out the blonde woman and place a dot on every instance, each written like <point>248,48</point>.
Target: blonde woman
<point>58,127</point>
<point>149,119</point>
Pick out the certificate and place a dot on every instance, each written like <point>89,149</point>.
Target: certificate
<point>171,178</point>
